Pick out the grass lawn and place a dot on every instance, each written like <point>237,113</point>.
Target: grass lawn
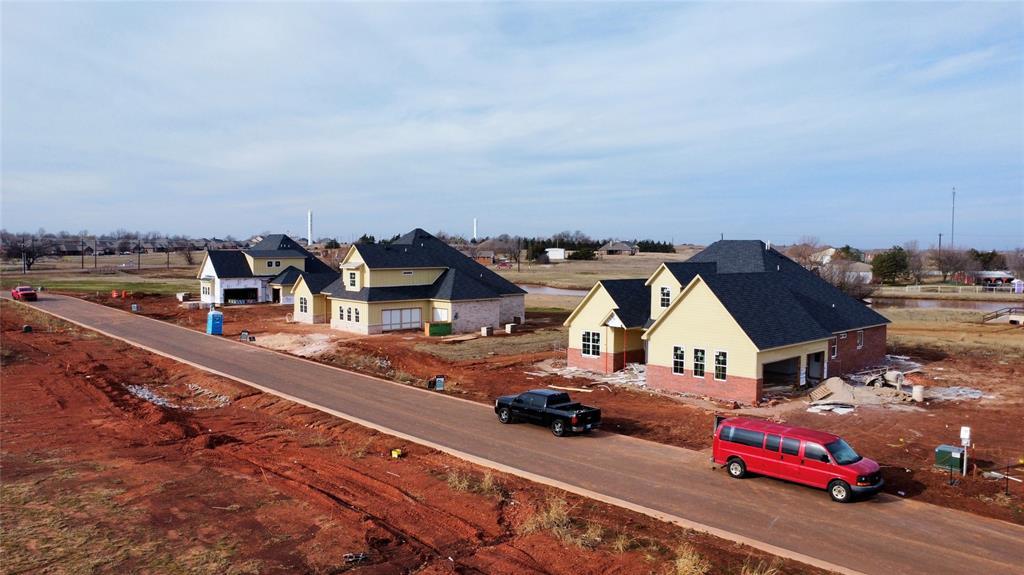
<point>952,331</point>
<point>180,280</point>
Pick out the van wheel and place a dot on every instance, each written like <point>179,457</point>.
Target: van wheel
<point>840,491</point>
<point>736,468</point>
<point>558,428</point>
<point>504,415</point>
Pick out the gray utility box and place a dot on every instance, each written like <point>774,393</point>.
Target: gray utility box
<point>950,457</point>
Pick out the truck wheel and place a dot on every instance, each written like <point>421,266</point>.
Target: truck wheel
<point>736,468</point>
<point>504,415</point>
<point>840,491</point>
<point>558,428</point>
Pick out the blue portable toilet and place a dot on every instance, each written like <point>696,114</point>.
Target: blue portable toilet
<point>215,323</point>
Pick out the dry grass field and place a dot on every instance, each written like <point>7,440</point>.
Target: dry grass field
<point>952,331</point>
<point>583,274</point>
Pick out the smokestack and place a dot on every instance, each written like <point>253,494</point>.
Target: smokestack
<point>309,227</point>
<point>474,229</point>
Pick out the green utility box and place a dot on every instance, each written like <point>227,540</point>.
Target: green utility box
<point>950,457</point>
<point>439,328</point>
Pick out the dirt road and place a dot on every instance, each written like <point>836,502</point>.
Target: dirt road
<point>880,536</point>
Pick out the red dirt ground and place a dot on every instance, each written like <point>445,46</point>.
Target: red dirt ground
<point>232,480</point>
<point>899,440</point>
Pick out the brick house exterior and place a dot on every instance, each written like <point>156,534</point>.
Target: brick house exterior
<point>849,357</point>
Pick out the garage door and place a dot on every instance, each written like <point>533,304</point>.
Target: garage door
<point>408,318</point>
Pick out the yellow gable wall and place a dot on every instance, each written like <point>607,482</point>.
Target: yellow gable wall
<point>259,265</point>
<point>662,278</point>
<point>371,312</point>
<point>353,257</point>
<point>318,302</point>
<point>701,321</point>
<point>591,317</point>
<point>397,277</point>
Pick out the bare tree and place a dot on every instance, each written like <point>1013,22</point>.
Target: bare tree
<point>26,247</point>
<point>839,273</point>
<point>1015,262</point>
<point>190,256</point>
<point>802,251</point>
<point>949,261</point>
<point>915,261</point>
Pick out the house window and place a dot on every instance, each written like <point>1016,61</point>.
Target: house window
<point>591,343</point>
<point>666,296</point>
<point>407,273</point>
<point>860,338</point>
<point>270,264</point>
<point>341,313</point>
<point>303,305</point>
<point>678,360</point>
<point>842,336</point>
<point>834,344</point>
<point>351,279</point>
<point>349,318</point>
<point>721,362</point>
<point>357,315</point>
<point>698,363</point>
<point>277,263</point>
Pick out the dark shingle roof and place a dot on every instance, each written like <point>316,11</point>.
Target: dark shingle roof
<point>743,256</point>
<point>632,299</point>
<point>419,249</point>
<point>282,246</point>
<point>452,285</point>
<point>229,263</point>
<point>315,281</point>
<point>775,300</point>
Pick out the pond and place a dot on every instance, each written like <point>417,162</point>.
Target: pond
<point>981,306</point>
<point>547,290</point>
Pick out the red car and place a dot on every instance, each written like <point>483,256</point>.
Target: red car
<point>25,293</point>
<point>823,460</point>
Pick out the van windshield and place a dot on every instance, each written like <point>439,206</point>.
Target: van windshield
<point>842,452</point>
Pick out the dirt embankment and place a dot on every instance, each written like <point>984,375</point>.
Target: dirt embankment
<point>903,441</point>
<point>116,460</point>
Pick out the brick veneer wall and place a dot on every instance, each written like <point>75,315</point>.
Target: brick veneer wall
<point>851,359</point>
<point>606,363</point>
<point>734,388</point>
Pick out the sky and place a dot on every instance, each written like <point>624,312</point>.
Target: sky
<point>686,122</point>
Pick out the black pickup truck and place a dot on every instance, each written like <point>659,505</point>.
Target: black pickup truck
<point>548,407</point>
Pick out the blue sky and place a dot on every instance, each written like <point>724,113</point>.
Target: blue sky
<point>849,122</point>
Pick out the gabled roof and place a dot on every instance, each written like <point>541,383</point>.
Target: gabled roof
<point>743,256</point>
<point>287,277</point>
<point>617,246</point>
<point>315,281</point>
<point>229,264</point>
<point>451,285</point>
<point>632,298</point>
<point>684,272</point>
<point>419,249</point>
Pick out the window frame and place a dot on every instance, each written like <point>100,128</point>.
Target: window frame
<point>351,279</point>
<point>341,313</point>
<point>860,339</point>
<point>678,360</point>
<point>703,363</point>
<point>303,304</point>
<point>591,345</point>
<point>833,346</point>
<point>665,297</point>
<point>357,315</point>
<point>725,365</point>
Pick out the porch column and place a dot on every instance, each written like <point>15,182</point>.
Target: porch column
<point>803,369</point>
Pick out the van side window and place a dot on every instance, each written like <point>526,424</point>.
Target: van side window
<point>815,452</point>
<point>747,437</point>
<point>790,446</point>
<point>772,443</point>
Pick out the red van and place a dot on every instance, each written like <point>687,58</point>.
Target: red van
<point>745,445</point>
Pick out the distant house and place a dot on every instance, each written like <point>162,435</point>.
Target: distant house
<point>859,272</point>
<point>266,272</point>
<point>615,248</point>
<point>415,279</point>
<point>732,318</point>
<point>824,256</point>
<point>555,254</point>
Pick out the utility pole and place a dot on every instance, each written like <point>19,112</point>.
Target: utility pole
<point>940,241</point>
<point>952,223</point>
<point>138,251</point>
<point>81,249</point>
<point>95,248</point>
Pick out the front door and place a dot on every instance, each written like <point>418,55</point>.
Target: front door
<point>816,468</point>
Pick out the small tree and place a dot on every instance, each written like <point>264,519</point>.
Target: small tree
<point>838,272</point>
<point>189,255</point>
<point>1015,262</point>
<point>890,265</point>
<point>991,260</point>
<point>332,244</point>
<point>802,251</point>
<point>366,239</point>
<point>850,254</point>
<point>949,261</point>
<point>915,261</point>
<point>27,248</point>
<point>583,254</point>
